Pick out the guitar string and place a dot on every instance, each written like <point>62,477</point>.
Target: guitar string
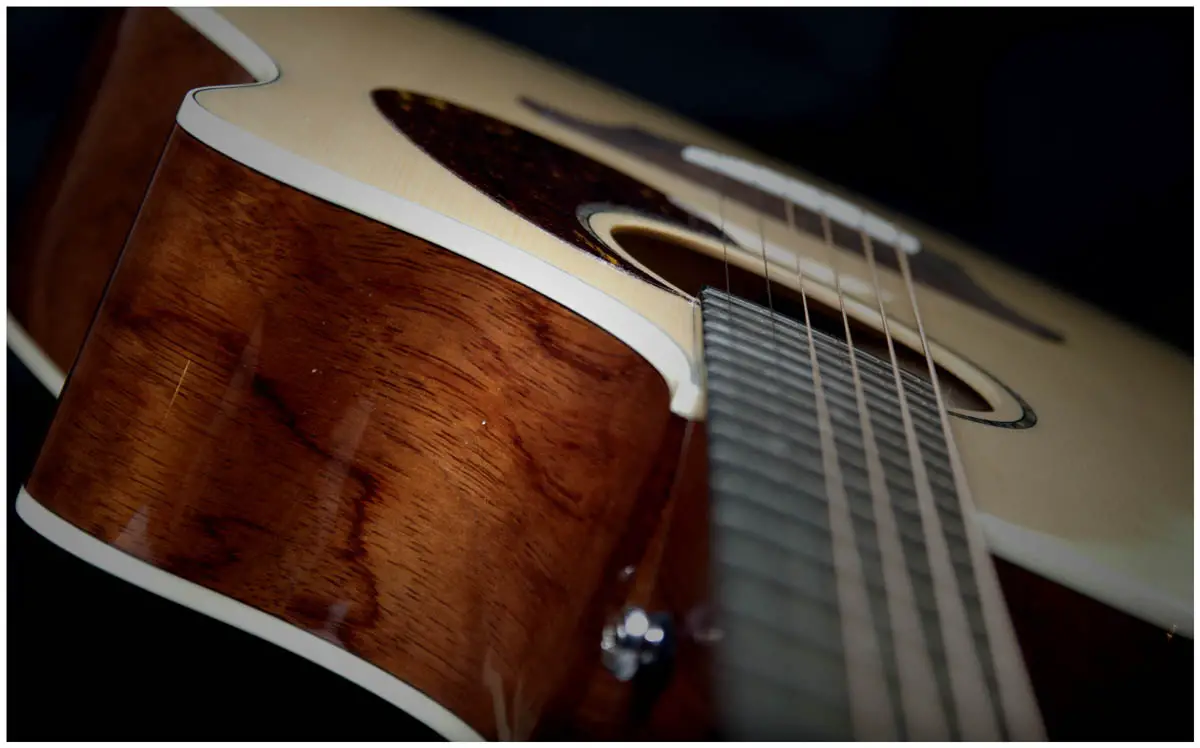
<point>972,703</point>
<point>870,703</point>
<point>1017,700</point>
<point>920,702</point>
<point>724,245</point>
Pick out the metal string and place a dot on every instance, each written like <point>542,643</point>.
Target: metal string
<point>870,703</point>
<point>976,718</point>
<point>920,702</point>
<point>1016,693</point>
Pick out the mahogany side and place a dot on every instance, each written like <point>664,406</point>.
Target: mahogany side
<point>441,471</point>
<point>671,576</point>
<point>372,438</point>
<point>79,212</point>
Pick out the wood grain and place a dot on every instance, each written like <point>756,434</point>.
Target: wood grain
<point>671,576</point>
<point>96,175</point>
<point>1108,477</point>
<point>441,471</point>
<point>369,437</point>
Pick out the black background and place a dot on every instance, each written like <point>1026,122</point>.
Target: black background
<point>1059,141</point>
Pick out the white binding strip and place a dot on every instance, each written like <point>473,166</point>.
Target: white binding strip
<point>246,53</point>
<point>34,358</point>
<point>636,331</point>
<point>230,40</point>
<point>803,194</point>
<point>1056,560</point>
<point>230,611</point>
<point>1046,555</point>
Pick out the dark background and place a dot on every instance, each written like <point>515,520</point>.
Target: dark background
<point>1059,141</point>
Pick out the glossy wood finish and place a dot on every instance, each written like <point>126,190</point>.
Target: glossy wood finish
<point>96,174</point>
<point>372,438</point>
<point>192,413</point>
<point>1105,478</point>
<point>670,576</point>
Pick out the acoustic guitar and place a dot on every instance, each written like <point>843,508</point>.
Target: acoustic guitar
<point>540,412</point>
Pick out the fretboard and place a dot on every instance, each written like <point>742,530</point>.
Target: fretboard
<point>841,619</point>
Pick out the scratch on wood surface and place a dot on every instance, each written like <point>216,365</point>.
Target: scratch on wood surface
<point>176,393</point>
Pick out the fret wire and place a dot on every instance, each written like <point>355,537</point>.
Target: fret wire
<point>922,391</point>
<point>792,616</point>
<point>725,402</point>
<point>773,579</point>
<point>833,349</point>
<point>799,386</point>
<point>839,398</point>
<point>895,470</point>
<point>867,697</point>
<point>820,694</point>
<point>785,543</point>
<point>799,398</point>
<point>760,424</point>
<point>795,358</point>
<point>876,586</point>
<point>780,513</point>
<point>897,474</point>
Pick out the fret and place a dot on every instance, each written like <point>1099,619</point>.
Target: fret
<point>757,323</point>
<point>787,345</point>
<point>773,544</point>
<point>782,364</point>
<point>904,500</point>
<point>812,681</point>
<point>787,534</point>
<point>894,454</point>
<point>789,374</point>
<point>773,491</point>
<point>755,706</point>
<point>898,474</point>
<point>770,518</point>
<point>812,546</point>
<point>764,703</point>
<point>748,414</point>
<point>760,595</point>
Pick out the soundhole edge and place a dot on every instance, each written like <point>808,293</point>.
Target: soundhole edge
<point>689,262</point>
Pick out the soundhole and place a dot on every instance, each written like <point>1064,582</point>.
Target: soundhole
<point>691,268</point>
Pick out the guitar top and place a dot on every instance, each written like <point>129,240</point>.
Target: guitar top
<point>319,246</point>
<point>1102,482</point>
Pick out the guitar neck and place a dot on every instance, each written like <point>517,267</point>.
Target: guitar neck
<point>842,575</point>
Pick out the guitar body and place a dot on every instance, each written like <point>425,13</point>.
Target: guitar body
<point>402,368</point>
